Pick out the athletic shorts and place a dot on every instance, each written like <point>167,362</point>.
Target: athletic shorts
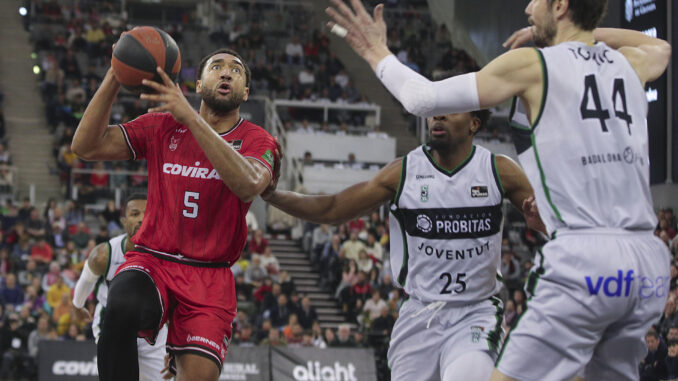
<point>420,353</point>
<point>151,357</point>
<point>198,302</point>
<point>592,296</point>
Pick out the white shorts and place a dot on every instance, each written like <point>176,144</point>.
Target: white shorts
<point>592,297</point>
<point>420,353</point>
<point>151,357</point>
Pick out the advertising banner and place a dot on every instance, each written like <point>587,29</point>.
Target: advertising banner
<point>312,364</point>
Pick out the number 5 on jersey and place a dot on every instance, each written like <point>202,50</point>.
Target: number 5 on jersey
<point>191,207</point>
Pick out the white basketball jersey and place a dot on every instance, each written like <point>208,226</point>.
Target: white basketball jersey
<point>450,223</point>
<point>116,248</point>
<point>587,153</point>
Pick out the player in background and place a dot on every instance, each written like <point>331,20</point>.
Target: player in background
<point>446,203</point>
<point>580,128</point>
<point>204,169</point>
<point>97,274</point>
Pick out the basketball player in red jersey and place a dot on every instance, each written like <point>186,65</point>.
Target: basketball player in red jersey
<point>204,170</point>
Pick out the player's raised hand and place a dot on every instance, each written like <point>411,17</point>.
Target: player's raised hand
<point>364,33</point>
<point>171,97</point>
<point>519,38</point>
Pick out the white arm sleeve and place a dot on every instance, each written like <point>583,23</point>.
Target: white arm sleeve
<point>426,98</point>
<point>85,286</point>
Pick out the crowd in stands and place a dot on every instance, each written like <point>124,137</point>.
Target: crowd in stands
<point>661,362</point>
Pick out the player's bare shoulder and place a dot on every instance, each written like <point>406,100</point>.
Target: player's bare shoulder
<point>99,257</point>
<point>389,176</point>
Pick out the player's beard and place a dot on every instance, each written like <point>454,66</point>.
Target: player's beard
<point>222,105</point>
<point>544,35</point>
<point>439,144</point>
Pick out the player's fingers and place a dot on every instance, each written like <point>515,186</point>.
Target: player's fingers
<point>153,97</point>
<point>165,78</point>
<point>338,19</point>
<point>160,108</point>
<point>344,10</point>
<point>154,85</point>
<point>360,10</point>
<point>379,13</point>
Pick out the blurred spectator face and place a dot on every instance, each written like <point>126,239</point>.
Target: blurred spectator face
<point>292,320</point>
<point>371,239</point>
<point>10,282</point>
<point>344,333</point>
<point>258,235</point>
<point>306,303</point>
<point>384,312</point>
<point>335,240</point>
<point>35,215</point>
<point>246,332</point>
<point>361,277</point>
<point>276,289</point>
<point>670,307</point>
<point>267,251</point>
<point>387,280</point>
<point>329,335</point>
<point>376,296</point>
<point>273,336</point>
<point>652,342</point>
<point>674,271</point>
<point>358,336</point>
<point>354,236</point>
<point>673,333</point>
<point>43,324</point>
<point>284,276</point>
<point>673,349</point>
<point>73,330</point>
<point>256,262</point>
<point>307,339</point>
<point>362,254</point>
<point>282,300</point>
<point>266,325</point>
<point>134,215</point>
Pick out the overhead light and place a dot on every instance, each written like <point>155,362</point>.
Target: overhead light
<point>23,11</point>
<point>36,69</point>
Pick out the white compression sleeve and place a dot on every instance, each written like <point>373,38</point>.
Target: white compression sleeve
<point>426,98</point>
<point>85,286</point>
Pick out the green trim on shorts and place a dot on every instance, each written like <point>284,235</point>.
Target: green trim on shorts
<point>534,277</point>
<point>494,336</point>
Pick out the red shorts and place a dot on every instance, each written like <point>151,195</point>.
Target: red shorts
<point>198,302</point>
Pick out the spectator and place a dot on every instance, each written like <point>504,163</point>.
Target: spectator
<point>383,324</point>
<point>672,360</point>
<point>307,313</point>
<point>26,275</point>
<point>270,262</point>
<point>35,227</point>
<point>653,367</point>
<point>373,248</point>
<point>344,339</point>
<point>349,276</point>
<point>82,236</point>
<point>13,345</point>
<point>374,305</point>
<point>292,320</point>
<point>51,277</point>
<point>352,247</point>
<point>57,292</point>
<point>280,312</point>
<point>4,155</point>
<point>244,337</point>
<point>258,243</point>
<point>294,51</point>
<point>274,339</point>
<point>317,333</point>
<point>286,283</point>
<point>255,272</point>
<point>364,261</point>
<point>110,217</point>
<point>270,299</point>
<point>12,293</point>
<point>40,333</point>
<point>42,252</point>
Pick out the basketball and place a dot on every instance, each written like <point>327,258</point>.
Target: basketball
<point>139,51</point>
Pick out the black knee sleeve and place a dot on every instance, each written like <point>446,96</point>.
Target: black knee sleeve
<point>133,303</point>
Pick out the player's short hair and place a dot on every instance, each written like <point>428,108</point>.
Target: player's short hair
<point>586,14</point>
<point>203,62</point>
<point>135,196</point>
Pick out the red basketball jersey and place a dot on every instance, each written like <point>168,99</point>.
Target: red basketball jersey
<point>190,211</point>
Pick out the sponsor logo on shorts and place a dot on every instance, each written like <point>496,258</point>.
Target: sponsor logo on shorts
<point>616,286</point>
<point>314,372</point>
<point>476,331</point>
<point>203,340</point>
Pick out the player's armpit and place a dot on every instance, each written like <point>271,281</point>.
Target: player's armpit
<point>514,73</point>
<point>98,258</point>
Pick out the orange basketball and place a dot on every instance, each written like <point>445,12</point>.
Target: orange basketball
<point>139,51</point>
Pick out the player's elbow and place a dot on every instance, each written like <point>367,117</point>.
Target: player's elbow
<point>665,51</point>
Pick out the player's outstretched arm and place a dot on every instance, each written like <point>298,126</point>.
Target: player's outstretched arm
<point>649,56</point>
<point>94,268</point>
<point>350,203</point>
<point>513,73</point>
<point>94,139</point>
<point>518,190</point>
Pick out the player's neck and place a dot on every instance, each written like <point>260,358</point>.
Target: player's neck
<point>129,245</point>
<point>221,123</point>
<point>569,32</point>
<point>453,156</point>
